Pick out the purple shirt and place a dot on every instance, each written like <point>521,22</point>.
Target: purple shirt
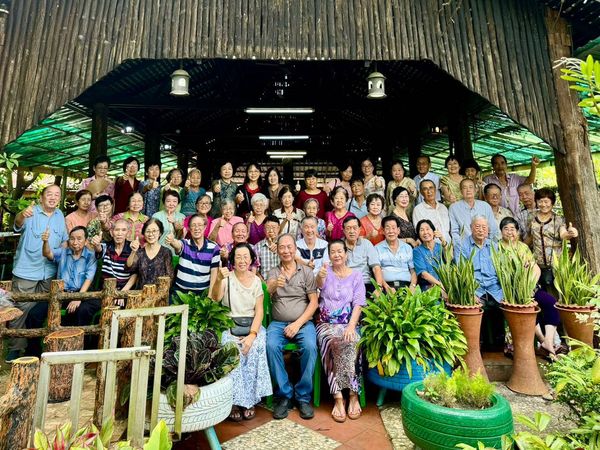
<point>339,296</point>
<point>510,195</point>
<point>256,232</point>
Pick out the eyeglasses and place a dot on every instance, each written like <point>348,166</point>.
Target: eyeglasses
<point>197,225</point>
<point>204,203</point>
<point>152,231</point>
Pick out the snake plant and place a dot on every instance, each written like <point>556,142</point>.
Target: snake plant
<point>573,279</point>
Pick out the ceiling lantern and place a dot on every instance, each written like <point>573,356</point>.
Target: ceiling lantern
<point>180,83</point>
<point>376,82</point>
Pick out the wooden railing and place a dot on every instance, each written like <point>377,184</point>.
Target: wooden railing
<point>150,294</point>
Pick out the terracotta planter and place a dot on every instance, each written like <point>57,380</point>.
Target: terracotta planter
<point>469,318</point>
<point>582,331</point>
<point>525,377</point>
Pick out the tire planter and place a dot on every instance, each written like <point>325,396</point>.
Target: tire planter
<point>401,379</point>
<point>435,427</point>
<point>213,407</point>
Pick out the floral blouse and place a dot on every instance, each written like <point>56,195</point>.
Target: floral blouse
<point>339,296</point>
<point>546,239</point>
<point>149,270</point>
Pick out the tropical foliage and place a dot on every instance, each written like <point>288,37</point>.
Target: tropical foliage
<point>458,279</point>
<point>517,279</point>
<point>584,77</point>
<point>572,278</point>
<point>404,326</point>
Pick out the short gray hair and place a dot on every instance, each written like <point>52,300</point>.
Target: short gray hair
<point>479,217</point>
<point>307,218</point>
<point>258,197</point>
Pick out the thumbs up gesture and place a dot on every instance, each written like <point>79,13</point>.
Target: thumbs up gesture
<point>330,227</point>
<point>323,270</point>
<point>45,235</point>
<point>222,273</point>
<point>535,161</point>
<point>135,245</point>
<point>573,233</point>
<point>96,240</point>
<point>250,217</point>
<point>28,212</point>
<point>169,238</point>
<point>281,280</point>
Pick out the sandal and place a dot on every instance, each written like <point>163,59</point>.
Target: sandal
<point>235,415</point>
<point>356,414</point>
<point>546,354</point>
<point>249,413</point>
<point>340,417</point>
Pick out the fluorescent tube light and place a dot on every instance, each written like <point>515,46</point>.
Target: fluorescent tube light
<point>279,110</point>
<point>284,138</point>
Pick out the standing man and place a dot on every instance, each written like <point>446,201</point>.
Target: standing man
<point>464,211</point>
<point>423,167</point>
<point>509,182</point>
<point>31,271</point>
<point>527,209</point>
<point>293,290</point>
<point>493,194</point>
<point>431,209</point>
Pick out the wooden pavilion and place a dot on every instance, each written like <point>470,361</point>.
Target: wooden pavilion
<point>445,61</point>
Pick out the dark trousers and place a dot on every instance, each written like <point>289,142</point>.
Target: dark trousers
<point>492,326</point>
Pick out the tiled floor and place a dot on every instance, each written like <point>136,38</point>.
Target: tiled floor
<point>367,432</point>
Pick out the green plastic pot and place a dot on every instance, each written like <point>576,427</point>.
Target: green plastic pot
<point>434,427</point>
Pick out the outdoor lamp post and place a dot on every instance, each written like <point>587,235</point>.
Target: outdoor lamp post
<point>180,83</point>
<point>376,82</point>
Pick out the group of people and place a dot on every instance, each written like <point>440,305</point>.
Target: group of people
<point>314,253</point>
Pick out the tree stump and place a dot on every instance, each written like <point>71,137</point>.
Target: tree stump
<point>61,375</point>
<point>16,405</point>
<point>105,320</point>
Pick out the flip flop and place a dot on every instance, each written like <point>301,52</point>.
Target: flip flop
<point>354,415</point>
<point>249,413</point>
<point>236,414</point>
<point>339,418</point>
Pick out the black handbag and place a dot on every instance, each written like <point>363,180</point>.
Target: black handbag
<point>547,278</point>
<point>242,324</point>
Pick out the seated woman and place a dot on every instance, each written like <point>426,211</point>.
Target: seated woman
<point>371,227</point>
<point>153,260</point>
<point>256,218</point>
<point>222,227</point>
<point>82,216</point>
<point>334,219</point>
<point>133,216</point>
<point>341,300</point>
<point>396,258</point>
<point>101,224</point>
<point>241,291</point>
<point>239,233</point>
<point>427,255</point>
<point>548,319</point>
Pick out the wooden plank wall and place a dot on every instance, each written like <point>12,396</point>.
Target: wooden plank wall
<point>54,49</point>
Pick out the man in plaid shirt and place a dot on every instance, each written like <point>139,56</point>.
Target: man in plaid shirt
<point>266,250</point>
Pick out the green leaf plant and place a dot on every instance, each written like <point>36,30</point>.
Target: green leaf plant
<point>517,279</point>
<point>573,280</point>
<point>458,279</point>
<point>583,77</point>
<point>404,326</point>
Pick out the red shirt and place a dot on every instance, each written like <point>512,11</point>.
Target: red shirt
<point>123,190</point>
<point>321,197</point>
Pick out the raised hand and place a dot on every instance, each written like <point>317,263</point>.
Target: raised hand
<point>169,238</point>
<point>250,217</point>
<point>28,212</point>
<point>45,235</point>
<point>187,184</point>
<point>96,240</point>
<point>535,161</point>
<point>239,198</point>
<point>323,270</point>
<point>217,188</point>
<point>573,233</point>
<point>281,280</point>
<point>135,245</point>
<point>222,273</point>
<point>330,227</point>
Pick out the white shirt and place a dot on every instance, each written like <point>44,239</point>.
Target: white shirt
<point>439,216</point>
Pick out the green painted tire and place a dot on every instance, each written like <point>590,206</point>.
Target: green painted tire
<point>434,427</point>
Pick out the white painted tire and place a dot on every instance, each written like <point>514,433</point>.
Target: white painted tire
<point>213,407</point>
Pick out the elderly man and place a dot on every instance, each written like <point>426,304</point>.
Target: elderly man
<point>424,167</point>
<point>294,298</point>
<point>311,250</point>
<point>527,209</point>
<point>489,291</point>
<point>493,194</point>
<point>431,209</point>
<point>463,211</point>
<point>266,250</point>
<point>509,182</point>
<point>31,271</point>
<point>362,255</point>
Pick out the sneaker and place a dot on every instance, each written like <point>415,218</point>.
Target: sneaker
<point>306,410</point>
<point>281,408</point>
<point>12,355</point>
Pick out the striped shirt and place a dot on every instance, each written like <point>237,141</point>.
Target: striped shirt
<point>195,264</point>
<point>113,264</point>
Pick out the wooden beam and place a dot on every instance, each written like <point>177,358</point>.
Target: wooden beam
<point>574,169</point>
<point>460,136</point>
<point>99,139</point>
<point>151,143</point>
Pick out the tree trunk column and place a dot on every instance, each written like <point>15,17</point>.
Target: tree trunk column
<point>575,169</point>
<point>99,139</point>
<point>61,375</point>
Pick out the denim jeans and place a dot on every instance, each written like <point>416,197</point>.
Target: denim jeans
<point>306,338</point>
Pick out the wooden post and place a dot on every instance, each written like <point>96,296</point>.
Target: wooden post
<point>183,161</point>
<point>3,19</point>
<point>56,288</point>
<point>99,139</point>
<point>67,339</point>
<point>414,151</point>
<point>460,136</point>
<point>105,320</point>
<point>151,143</point>
<point>574,169</point>
<point>16,406</point>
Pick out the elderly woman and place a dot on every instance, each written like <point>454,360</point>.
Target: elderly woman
<point>374,184</point>
<point>547,230</point>
<point>450,183</point>
<point>174,183</point>
<point>101,225</point>
<point>548,319</point>
<point>272,187</point>
<point>203,206</point>
<point>134,216</point>
<point>289,215</point>
<point>171,220</point>
<point>239,233</point>
<point>371,227</point>
<point>340,302</point>
<point>427,255</point>
<point>256,218</point>
<point>82,216</point>
<point>399,179</point>
<point>126,184</point>
<point>150,189</point>
<point>241,291</point>
<point>223,188</point>
<point>396,258</point>
<point>153,260</point>
<point>222,227</point>
<point>335,219</point>
<point>401,199</point>
<point>311,209</point>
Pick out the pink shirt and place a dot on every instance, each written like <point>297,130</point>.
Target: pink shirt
<point>75,220</point>
<point>110,190</point>
<point>224,236</point>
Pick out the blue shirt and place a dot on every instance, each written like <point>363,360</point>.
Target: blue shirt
<point>74,272</point>
<point>188,203</point>
<point>363,257</point>
<point>29,263</point>
<point>358,211</point>
<point>461,215</point>
<point>485,272</point>
<point>195,264</point>
<point>426,260</point>
<point>395,266</point>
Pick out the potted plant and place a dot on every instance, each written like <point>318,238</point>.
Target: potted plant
<point>518,283</point>
<point>443,411</point>
<point>407,334</point>
<point>578,293</point>
<point>208,394</point>
<point>460,285</point>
